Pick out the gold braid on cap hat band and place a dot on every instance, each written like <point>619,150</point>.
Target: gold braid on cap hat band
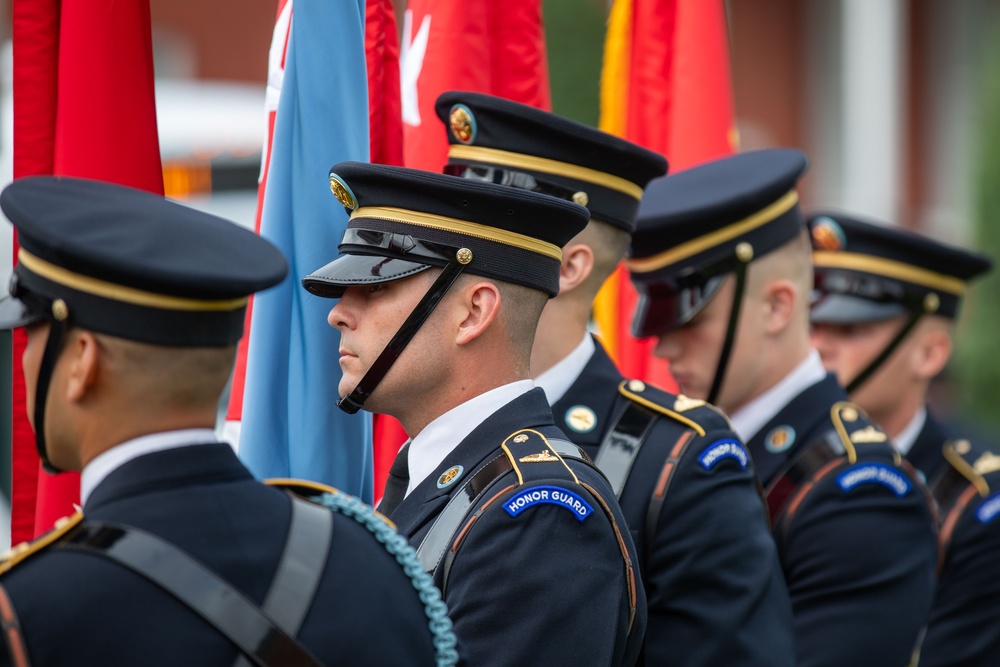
<point>546,166</point>
<point>464,227</point>
<point>712,239</point>
<point>115,292</point>
<point>888,268</point>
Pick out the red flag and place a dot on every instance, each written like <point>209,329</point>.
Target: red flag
<point>83,106</point>
<point>666,86</point>
<point>486,47</point>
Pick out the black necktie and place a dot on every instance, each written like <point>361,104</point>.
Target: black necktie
<point>395,485</point>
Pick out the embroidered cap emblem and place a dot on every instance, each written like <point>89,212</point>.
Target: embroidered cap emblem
<point>581,419</point>
<point>538,458</point>
<point>342,192</point>
<point>449,476</point>
<point>779,439</point>
<point>828,235</point>
<point>462,124</point>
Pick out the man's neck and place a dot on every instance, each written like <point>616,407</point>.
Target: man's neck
<point>902,413</point>
<point>423,411</point>
<point>560,330</point>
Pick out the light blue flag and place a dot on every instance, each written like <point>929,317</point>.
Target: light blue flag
<point>292,426</point>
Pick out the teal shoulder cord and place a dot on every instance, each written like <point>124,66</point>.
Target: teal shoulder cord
<point>445,642</point>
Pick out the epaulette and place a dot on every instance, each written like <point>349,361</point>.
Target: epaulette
<point>314,491</point>
<point>532,457</point>
<point>694,413</point>
<point>854,428</point>
<point>971,462</point>
<point>25,550</point>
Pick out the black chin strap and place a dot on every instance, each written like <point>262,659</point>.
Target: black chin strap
<point>734,320</point>
<point>53,347</point>
<point>356,399</point>
<point>869,370</point>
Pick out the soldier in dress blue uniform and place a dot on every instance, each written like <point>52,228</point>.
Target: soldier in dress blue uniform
<point>714,587</point>
<point>883,317</point>
<point>441,281</point>
<point>133,306</point>
<point>721,260</point>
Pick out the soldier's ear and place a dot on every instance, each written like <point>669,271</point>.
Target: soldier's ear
<point>577,265</point>
<point>481,304</point>
<point>780,304</point>
<point>933,351</point>
<point>83,358</point>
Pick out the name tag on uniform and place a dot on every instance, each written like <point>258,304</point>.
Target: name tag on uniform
<point>551,495</point>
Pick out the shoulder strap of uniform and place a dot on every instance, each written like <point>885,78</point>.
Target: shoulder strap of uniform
<point>221,605</point>
<point>25,550</point>
<point>962,481</point>
<point>302,564</point>
<point>13,638</point>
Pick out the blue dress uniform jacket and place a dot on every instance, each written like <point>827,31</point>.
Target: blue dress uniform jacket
<point>858,545</point>
<point>714,586</point>
<point>81,609</point>
<point>542,586</point>
<point>964,626</point>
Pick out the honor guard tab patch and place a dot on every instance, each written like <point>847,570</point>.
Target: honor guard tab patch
<point>988,509</point>
<point>874,473</point>
<point>551,495</point>
<point>724,449</point>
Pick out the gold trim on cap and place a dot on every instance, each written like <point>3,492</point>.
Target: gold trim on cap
<point>115,292</point>
<point>888,268</point>
<point>546,166</point>
<point>712,239</point>
<point>461,227</point>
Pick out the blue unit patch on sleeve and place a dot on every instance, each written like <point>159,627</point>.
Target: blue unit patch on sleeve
<point>553,495</point>
<point>874,473</point>
<point>724,449</point>
<point>989,508</point>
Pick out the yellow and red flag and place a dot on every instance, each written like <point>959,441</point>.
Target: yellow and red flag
<point>666,86</point>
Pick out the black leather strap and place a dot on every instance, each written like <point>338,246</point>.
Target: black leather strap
<point>53,348</point>
<point>17,649</point>
<point>447,524</point>
<point>799,470</point>
<point>621,445</point>
<point>946,489</point>
<point>225,608</point>
<point>396,482</point>
<point>731,327</point>
<point>302,564</point>
<point>868,370</point>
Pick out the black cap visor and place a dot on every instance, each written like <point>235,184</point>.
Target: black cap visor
<point>665,306</point>
<point>847,309</point>
<point>15,313</point>
<point>333,279</point>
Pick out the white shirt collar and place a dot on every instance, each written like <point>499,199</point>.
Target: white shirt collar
<point>110,460</point>
<point>752,417</point>
<point>438,438</point>
<point>904,441</point>
<point>557,380</point>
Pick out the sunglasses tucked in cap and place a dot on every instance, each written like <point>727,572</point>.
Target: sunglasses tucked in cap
<point>498,141</point>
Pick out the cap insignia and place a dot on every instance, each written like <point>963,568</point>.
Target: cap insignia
<point>581,198</point>
<point>449,476</point>
<point>540,457</point>
<point>581,419</point>
<point>464,256</point>
<point>828,235</point>
<point>867,435</point>
<point>685,403</point>
<point>779,439</point>
<point>343,192</point>
<point>462,124</point>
